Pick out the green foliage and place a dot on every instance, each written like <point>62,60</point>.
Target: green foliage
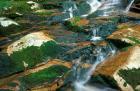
<point>75,20</point>
<point>43,76</point>
<point>131,76</point>
<point>72,25</point>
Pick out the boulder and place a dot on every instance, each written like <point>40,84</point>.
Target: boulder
<point>32,39</point>
<point>27,52</point>
<point>128,33</point>
<point>123,69</point>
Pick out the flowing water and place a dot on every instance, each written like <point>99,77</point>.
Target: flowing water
<point>129,6</point>
<point>94,5</point>
<point>109,7</point>
<point>95,37</point>
<point>101,53</point>
<point>83,75</point>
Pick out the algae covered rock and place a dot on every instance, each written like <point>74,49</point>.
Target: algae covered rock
<point>29,51</point>
<point>44,77</point>
<point>123,69</point>
<point>48,77</point>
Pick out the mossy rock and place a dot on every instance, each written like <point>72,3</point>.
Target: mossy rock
<point>34,55</point>
<point>27,58</point>
<point>70,26</point>
<point>10,29</point>
<point>104,80</point>
<point>47,75</point>
<point>6,65</point>
<point>131,76</point>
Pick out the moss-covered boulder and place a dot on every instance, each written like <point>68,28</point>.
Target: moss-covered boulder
<point>27,52</point>
<point>48,77</point>
<point>123,69</point>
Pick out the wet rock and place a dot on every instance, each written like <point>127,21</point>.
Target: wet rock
<point>44,78</point>
<point>85,51</point>
<point>103,26</point>
<point>123,69</point>
<point>127,33</point>
<point>63,35</point>
<point>52,77</point>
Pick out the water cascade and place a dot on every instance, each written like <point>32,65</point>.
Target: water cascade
<point>94,5</point>
<point>83,75</point>
<point>86,8</point>
<point>109,7</point>
<point>69,8</point>
<point>95,37</point>
<point>129,6</point>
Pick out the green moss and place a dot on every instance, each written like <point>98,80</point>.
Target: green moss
<point>75,21</point>
<point>134,39</point>
<point>10,30</point>
<point>50,48</point>
<point>4,4</point>
<point>17,6</point>
<point>12,84</point>
<point>73,27</point>
<point>32,56</point>
<point>5,65</point>
<point>47,75</point>
<point>104,80</point>
<point>131,76</point>
<point>21,6</point>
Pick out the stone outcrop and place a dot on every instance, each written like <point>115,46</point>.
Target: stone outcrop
<point>127,33</point>
<point>32,39</point>
<point>123,69</point>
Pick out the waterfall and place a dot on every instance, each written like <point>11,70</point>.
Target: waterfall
<point>94,6</point>
<point>95,37</point>
<point>109,6</point>
<point>129,6</point>
<point>69,7</point>
<point>101,53</point>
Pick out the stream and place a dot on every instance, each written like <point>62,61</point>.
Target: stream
<point>83,75</point>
